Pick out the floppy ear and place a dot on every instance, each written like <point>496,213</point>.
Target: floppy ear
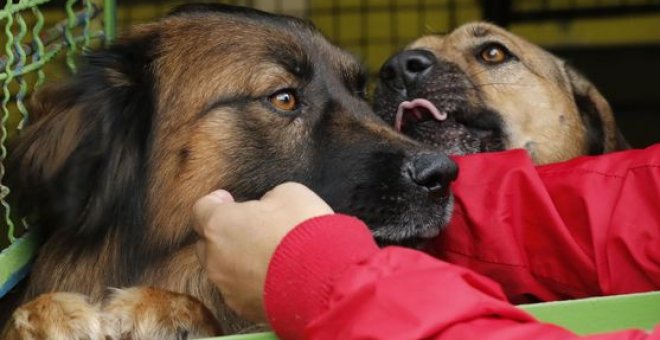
<point>602,132</point>
<point>82,162</point>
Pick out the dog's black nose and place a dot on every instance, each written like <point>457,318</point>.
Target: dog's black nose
<point>405,69</point>
<point>433,171</point>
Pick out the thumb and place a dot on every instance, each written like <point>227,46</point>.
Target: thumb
<point>205,206</point>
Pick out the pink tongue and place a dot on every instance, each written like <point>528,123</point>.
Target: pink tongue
<point>414,106</point>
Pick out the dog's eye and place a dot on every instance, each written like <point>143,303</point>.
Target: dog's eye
<point>284,100</point>
<point>494,54</point>
<point>361,92</point>
<point>361,85</point>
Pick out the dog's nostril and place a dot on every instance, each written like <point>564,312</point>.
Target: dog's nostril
<point>433,171</point>
<point>417,64</point>
<point>387,72</point>
<point>406,69</point>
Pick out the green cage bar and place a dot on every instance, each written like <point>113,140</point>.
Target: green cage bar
<point>110,20</point>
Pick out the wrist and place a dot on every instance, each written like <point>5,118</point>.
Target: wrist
<point>304,265</point>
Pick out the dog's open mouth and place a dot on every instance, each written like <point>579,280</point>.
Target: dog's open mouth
<point>457,132</point>
<point>416,111</point>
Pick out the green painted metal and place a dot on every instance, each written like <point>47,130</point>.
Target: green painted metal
<point>254,336</point>
<point>11,8</point>
<point>601,314</point>
<point>582,316</point>
<point>68,35</point>
<point>36,57</point>
<point>87,17</point>
<point>22,60</point>
<point>17,257</point>
<point>51,52</point>
<point>6,95</point>
<point>110,20</point>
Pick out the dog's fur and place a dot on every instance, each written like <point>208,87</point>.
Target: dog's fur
<point>174,110</point>
<point>531,99</point>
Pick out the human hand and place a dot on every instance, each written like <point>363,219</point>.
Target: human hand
<point>238,239</point>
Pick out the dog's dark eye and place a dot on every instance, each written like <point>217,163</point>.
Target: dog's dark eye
<point>284,100</point>
<point>494,54</point>
<point>361,85</point>
<point>361,92</point>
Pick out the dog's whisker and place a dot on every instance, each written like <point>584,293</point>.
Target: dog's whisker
<point>472,75</point>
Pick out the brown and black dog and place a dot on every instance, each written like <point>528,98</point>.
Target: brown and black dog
<point>481,88</point>
<point>212,96</point>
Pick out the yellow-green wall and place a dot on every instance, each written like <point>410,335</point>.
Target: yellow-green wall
<point>374,29</point>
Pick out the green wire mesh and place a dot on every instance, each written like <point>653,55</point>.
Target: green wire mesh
<point>31,47</point>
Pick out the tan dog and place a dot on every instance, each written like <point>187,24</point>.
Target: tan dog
<point>481,88</point>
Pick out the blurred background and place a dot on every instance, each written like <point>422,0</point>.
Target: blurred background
<point>616,43</point>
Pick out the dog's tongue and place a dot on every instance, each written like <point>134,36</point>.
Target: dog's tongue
<point>417,107</point>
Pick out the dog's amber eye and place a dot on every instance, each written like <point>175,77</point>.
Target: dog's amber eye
<point>284,100</point>
<point>494,54</point>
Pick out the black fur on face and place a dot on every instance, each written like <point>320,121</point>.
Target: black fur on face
<point>470,127</point>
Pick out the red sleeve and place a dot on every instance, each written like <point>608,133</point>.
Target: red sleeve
<point>586,227</point>
<point>328,280</point>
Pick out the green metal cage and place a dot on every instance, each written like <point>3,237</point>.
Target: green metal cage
<point>32,48</point>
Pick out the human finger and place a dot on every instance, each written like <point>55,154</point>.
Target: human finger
<point>205,207</point>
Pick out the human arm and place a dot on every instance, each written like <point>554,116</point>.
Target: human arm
<point>586,227</point>
<point>327,279</point>
<point>390,293</point>
<point>237,240</point>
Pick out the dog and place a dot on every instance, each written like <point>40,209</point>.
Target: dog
<point>211,96</point>
<point>481,88</point>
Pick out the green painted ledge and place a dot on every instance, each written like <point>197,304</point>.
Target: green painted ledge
<point>15,260</point>
<point>583,316</point>
<point>601,314</point>
<point>255,336</point>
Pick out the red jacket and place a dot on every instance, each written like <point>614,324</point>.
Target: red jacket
<point>586,227</point>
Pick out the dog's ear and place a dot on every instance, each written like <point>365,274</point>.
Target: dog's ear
<point>82,161</point>
<point>602,132</point>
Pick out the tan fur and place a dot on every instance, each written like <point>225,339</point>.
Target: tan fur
<point>148,313</point>
<point>207,136</point>
<point>64,136</point>
<point>57,316</point>
<point>534,95</point>
<point>134,313</point>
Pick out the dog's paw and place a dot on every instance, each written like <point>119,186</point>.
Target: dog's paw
<point>152,313</point>
<point>57,316</point>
